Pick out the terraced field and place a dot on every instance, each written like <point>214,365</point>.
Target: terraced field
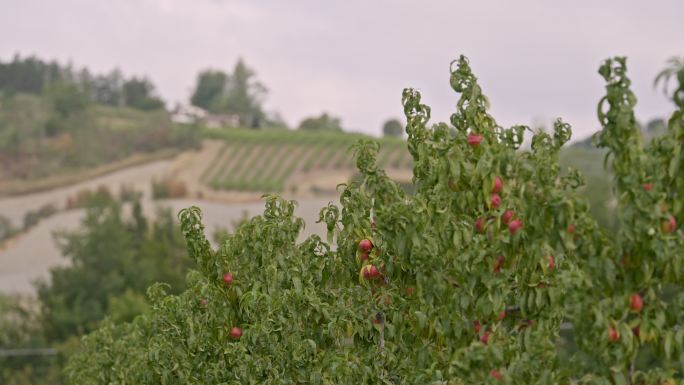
<point>267,161</point>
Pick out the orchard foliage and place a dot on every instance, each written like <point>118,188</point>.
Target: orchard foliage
<point>466,281</point>
<point>645,260</point>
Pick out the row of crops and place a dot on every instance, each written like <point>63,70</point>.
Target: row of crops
<point>265,161</point>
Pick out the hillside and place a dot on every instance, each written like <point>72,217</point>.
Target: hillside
<point>286,161</point>
<point>40,147</point>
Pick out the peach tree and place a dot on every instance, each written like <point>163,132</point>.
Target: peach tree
<point>629,311</point>
<point>466,280</point>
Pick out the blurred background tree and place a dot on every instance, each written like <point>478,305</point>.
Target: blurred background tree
<point>324,122</point>
<point>139,93</point>
<point>70,88</point>
<point>392,127</point>
<point>115,255</point>
<point>210,86</point>
<point>110,257</point>
<point>238,93</point>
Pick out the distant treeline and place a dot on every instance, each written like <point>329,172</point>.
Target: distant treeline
<point>35,76</point>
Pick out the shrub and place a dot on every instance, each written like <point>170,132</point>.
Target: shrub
<point>32,217</point>
<point>127,193</point>
<point>168,188</point>
<point>85,197</point>
<point>6,228</point>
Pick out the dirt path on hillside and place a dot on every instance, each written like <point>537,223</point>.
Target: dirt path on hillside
<point>10,188</point>
<point>139,177</point>
<point>31,255</point>
<point>189,166</point>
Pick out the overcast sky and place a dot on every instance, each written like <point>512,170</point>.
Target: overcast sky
<point>536,59</point>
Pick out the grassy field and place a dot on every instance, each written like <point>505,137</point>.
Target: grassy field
<point>265,160</point>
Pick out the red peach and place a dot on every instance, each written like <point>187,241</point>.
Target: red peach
<point>496,375</point>
<point>495,200</point>
<point>507,217</point>
<point>365,245</point>
<point>498,185</point>
<point>613,335</point>
<point>552,262</point>
<point>636,303</point>
<point>514,226</point>
<point>235,333</point>
<point>474,139</point>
